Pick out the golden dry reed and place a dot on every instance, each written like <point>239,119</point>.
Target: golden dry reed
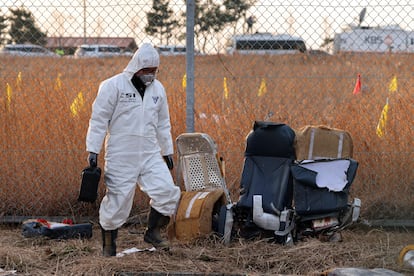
<point>45,105</point>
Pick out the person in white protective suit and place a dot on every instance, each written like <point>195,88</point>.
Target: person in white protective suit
<point>131,114</point>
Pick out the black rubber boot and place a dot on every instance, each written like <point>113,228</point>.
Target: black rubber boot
<point>153,233</point>
<point>109,242</point>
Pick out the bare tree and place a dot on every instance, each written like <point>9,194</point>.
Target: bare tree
<point>99,26</point>
<point>291,22</point>
<point>327,31</point>
<point>58,23</point>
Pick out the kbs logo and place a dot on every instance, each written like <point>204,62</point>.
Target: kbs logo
<point>374,39</point>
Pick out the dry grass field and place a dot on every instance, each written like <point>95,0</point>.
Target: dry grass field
<point>43,149</point>
<point>362,247</point>
<point>42,152</point>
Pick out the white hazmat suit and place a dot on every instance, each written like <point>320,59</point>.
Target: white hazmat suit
<point>137,133</point>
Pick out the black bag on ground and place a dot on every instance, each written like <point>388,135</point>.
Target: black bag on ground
<point>36,228</point>
<point>89,184</point>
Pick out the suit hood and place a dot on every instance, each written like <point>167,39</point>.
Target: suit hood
<point>146,56</point>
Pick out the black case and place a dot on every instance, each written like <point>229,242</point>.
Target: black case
<point>89,184</point>
<point>36,229</point>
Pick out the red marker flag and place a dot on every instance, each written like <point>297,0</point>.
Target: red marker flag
<point>357,87</point>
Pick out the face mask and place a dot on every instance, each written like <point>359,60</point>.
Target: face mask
<point>147,79</point>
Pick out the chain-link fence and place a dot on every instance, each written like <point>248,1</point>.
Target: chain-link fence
<point>340,64</point>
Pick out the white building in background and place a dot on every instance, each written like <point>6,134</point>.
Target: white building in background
<point>374,39</point>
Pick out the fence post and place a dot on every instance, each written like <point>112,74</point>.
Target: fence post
<point>190,66</point>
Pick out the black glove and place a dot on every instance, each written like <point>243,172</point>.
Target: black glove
<point>169,160</point>
<point>93,159</point>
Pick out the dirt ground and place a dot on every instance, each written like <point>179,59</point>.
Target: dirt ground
<point>361,247</point>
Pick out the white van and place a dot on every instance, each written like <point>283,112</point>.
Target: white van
<point>171,50</point>
<point>97,50</point>
<point>29,50</point>
<point>265,43</point>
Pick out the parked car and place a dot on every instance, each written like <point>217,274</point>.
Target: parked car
<point>97,50</point>
<point>29,50</point>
